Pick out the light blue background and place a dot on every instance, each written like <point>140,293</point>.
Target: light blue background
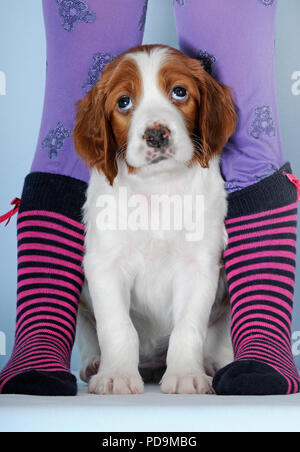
<point>23,61</point>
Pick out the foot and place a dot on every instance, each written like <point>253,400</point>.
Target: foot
<point>116,384</point>
<point>42,383</point>
<point>250,378</point>
<point>89,368</point>
<point>187,384</point>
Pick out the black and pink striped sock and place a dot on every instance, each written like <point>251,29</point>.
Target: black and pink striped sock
<point>50,278</point>
<point>260,263</point>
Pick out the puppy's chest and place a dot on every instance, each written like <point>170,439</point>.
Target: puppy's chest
<point>155,271</point>
<point>158,265</point>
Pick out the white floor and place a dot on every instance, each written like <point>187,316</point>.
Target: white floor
<point>150,412</point>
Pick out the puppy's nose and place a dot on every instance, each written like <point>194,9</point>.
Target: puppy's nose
<point>157,136</point>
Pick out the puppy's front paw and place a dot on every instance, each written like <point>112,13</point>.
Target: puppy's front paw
<point>102,384</point>
<point>189,384</point>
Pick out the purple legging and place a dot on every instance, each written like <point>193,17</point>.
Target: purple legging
<point>234,40</point>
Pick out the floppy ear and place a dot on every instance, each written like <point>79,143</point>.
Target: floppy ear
<point>93,136</point>
<point>217,115</point>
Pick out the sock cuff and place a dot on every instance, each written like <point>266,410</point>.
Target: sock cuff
<point>54,192</point>
<point>271,193</point>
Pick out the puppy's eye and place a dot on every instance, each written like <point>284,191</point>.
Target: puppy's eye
<point>179,93</point>
<point>125,103</point>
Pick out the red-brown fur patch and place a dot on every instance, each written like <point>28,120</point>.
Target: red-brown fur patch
<point>209,112</point>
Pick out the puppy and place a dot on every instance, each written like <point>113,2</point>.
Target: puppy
<point>153,129</point>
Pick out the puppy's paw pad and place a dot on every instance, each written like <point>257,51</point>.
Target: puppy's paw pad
<point>189,384</point>
<point>89,368</point>
<point>120,385</point>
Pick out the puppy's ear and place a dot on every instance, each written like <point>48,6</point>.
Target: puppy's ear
<point>93,136</point>
<point>217,115</point>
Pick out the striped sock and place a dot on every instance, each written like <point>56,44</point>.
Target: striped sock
<point>50,278</point>
<point>260,265</point>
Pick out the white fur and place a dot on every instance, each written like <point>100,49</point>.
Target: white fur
<point>152,292</point>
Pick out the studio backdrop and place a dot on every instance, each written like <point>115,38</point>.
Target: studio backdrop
<point>22,79</point>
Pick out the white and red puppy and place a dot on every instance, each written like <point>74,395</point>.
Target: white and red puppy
<point>155,124</point>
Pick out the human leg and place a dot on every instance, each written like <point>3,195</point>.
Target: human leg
<point>82,37</point>
<point>236,44</point>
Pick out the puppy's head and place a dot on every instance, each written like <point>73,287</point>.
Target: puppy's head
<point>155,108</point>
